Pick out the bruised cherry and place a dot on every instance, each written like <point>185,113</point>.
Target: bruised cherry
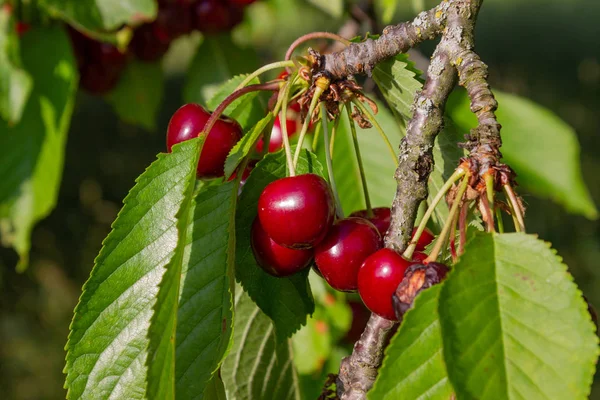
<point>277,260</point>
<point>297,211</point>
<point>188,121</point>
<point>381,218</point>
<point>378,278</point>
<point>347,244</point>
<point>424,240</point>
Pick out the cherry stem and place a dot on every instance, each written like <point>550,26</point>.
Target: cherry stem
<point>312,36</point>
<point>515,208</point>
<point>273,86</point>
<point>462,228</point>
<point>361,168</point>
<point>319,89</point>
<point>338,203</point>
<point>286,141</point>
<point>499,219</point>
<point>448,224</point>
<point>263,69</point>
<point>369,115</point>
<point>489,188</point>
<point>486,213</point>
<point>453,237</point>
<point>459,173</point>
<point>316,137</point>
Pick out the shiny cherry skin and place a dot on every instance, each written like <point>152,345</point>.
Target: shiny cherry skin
<point>424,240</point>
<point>347,244</point>
<point>381,218</point>
<point>188,122</point>
<point>211,16</point>
<point>297,211</point>
<point>276,139</point>
<point>274,259</point>
<point>378,279</point>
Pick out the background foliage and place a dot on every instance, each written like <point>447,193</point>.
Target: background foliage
<point>559,70</point>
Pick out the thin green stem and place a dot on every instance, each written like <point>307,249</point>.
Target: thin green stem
<point>316,136</point>
<point>459,173</point>
<point>313,104</point>
<point>449,220</point>
<point>311,36</point>
<point>231,98</point>
<point>338,204</point>
<point>263,69</point>
<point>365,110</point>
<point>515,207</point>
<point>489,188</point>
<point>284,134</point>
<point>361,167</point>
<point>499,219</point>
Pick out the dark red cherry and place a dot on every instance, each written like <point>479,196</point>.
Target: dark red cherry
<point>276,139</point>
<point>297,211</point>
<point>378,279</point>
<point>424,240</point>
<point>147,44</point>
<point>275,259</point>
<point>212,16</point>
<point>347,244</point>
<point>419,256</point>
<point>360,317</point>
<point>188,122</point>
<point>381,218</point>
<point>175,19</point>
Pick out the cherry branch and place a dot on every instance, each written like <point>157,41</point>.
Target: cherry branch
<point>453,58</point>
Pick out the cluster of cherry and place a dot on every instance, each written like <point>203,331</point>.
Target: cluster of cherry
<point>101,64</point>
<point>296,227</point>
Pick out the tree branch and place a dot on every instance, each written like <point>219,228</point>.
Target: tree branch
<point>454,56</point>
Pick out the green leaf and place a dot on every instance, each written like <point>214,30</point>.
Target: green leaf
<point>32,151</point>
<point>137,97</point>
<point>101,15</point>
<point>287,301</point>
<point>246,110</point>
<point>15,82</point>
<point>542,149</point>
<point>107,349</point>
<point>377,161</point>
<point>217,60</point>
<point>335,8</point>
<point>413,366</point>
<point>514,324</point>
<point>398,80</point>
<point>246,145</point>
<point>259,366</point>
<point>205,316</point>
<point>215,390</point>
<point>162,332</point>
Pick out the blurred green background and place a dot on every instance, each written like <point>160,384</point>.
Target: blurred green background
<point>545,50</point>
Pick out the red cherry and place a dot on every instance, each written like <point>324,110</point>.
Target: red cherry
<point>147,44</point>
<point>378,279</point>
<point>419,256</point>
<point>381,218</point>
<point>188,122</point>
<point>347,244</point>
<point>424,240</point>
<point>360,317</point>
<point>276,139</point>
<point>175,19</point>
<point>297,211</point>
<point>277,260</point>
<point>212,16</point>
